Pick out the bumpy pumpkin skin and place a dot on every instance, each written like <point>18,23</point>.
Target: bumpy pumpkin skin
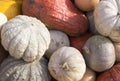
<point>18,70</point>
<point>61,15</point>
<point>25,37</point>
<point>11,8</point>
<point>99,53</point>
<point>67,64</point>
<point>58,40</point>
<point>107,19</point>
<point>112,74</point>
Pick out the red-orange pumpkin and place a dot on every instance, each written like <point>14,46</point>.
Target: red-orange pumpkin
<point>57,14</point>
<point>78,42</point>
<point>112,74</point>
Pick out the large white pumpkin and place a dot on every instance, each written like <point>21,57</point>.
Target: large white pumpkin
<point>25,37</point>
<point>107,19</point>
<point>67,64</point>
<point>18,70</point>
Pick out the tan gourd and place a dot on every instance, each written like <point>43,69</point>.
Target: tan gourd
<point>25,37</point>
<point>3,19</point>
<point>67,64</point>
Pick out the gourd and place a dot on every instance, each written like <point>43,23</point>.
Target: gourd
<point>99,53</point>
<point>89,75</point>
<point>67,64</point>
<point>18,70</point>
<point>25,37</point>
<point>58,40</point>
<point>3,19</point>
<point>11,8</point>
<point>112,74</point>
<point>59,15</point>
<point>106,16</point>
<point>117,51</point>
<point>79,41</point>
<point>86,5</point>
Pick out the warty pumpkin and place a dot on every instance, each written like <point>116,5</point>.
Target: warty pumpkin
<point>99,53</point>
<point>25,37</point>
<point>67,64</point>
<point>11,8</point>
<point>3,19</point>
<point>107,19</point>
<point>113,74</point>
<point>18,70</point>
<point>60,15</point>
<point>58,40</point>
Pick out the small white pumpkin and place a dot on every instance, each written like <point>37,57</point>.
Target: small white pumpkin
<point>3,19</point>
<point>58,40</point>
<point>18,70</point>
<point>25,37</point>
<point>67,64</point>
<point>107,19</point>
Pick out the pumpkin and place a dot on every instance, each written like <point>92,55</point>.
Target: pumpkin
<point>58,40</point>
<point>60,15</point>
<point>86,5</point>
<point>106,16</point>
<point>112,74</point>
<point>18,70</point>
<point>117,51</point>
<point>11,8</point>
<point>25,37</point>
<point>89,75</point>
<point>78,42</point>
<point>90,17</point>
<point>67,64</point>
<point>3,19</point>
<point>99,53</point>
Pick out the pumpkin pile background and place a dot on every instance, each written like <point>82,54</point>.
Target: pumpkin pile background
<point>59,40</point>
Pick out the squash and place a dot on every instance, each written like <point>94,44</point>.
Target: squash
<point>67,64</point>
<point>11,8</point>
<point>99,53</point>
<point>60,15</point>
<point>86,5</point>
<point>117,51</point>
<point>3,19</point>
<point>78,42</point>
<point>89,75</point>
<point>58,40</point>
<point>106,16</point>
<point>25,37</point>
<point>92,27</point>
<point>18,70</point>
<point>112,74</point>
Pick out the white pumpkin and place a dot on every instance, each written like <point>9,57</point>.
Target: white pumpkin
<point>18,70</point>
<point>58,40</point>
<point>67,64</point>
<point>25,37</point>
<point>107,19</point>
<point>3,19</point>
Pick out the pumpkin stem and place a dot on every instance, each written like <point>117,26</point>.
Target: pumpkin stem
<point>87,50</point>
<point>65,66</point>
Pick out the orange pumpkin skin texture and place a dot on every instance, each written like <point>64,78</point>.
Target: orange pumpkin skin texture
<point>112,74</point>
<point>57,14</point>
<point>78,42</point>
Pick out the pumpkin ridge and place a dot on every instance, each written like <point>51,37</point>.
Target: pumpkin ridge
<point>111,75</point>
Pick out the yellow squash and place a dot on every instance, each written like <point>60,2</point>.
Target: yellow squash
<point>11,8</point>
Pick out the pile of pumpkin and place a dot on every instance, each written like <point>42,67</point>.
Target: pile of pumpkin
<point>59,40</point>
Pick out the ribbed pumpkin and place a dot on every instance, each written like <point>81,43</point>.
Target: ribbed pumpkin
<point>18,70</point>
<point>112,74</point>
<point>78,42</point>
<point>11,8</point>
<point>107,19</point>
<point>57,14</point>
<point>67,64</point>
<point>99,53</point>
<point>58,40</point>
<point>25,37</point>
